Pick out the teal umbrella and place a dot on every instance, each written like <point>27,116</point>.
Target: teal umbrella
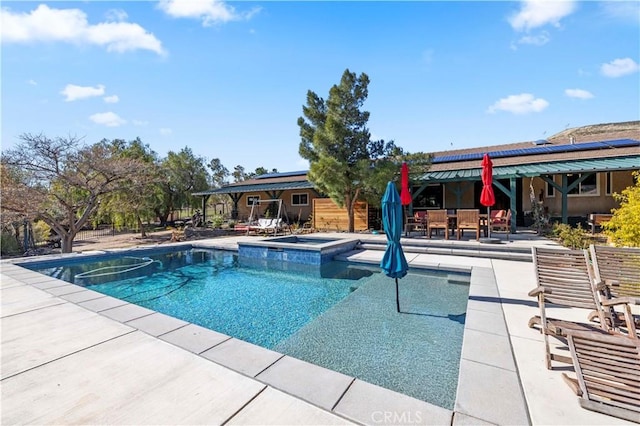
<point>393,262</point>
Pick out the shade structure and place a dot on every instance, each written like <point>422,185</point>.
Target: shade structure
<point>405,194</point>
<point>487,197</point>
<point>393,263</point>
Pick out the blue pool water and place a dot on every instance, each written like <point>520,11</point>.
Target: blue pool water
<point>208,288</point>
<point>339,315</point>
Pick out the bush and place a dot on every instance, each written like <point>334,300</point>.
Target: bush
<point>8,244</point>
<point>574,238</point>
<point>41,232</point>
<point>217,221</point>
<point>624,226</point>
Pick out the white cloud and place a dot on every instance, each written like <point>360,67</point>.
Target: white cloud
<point>165,131</point>
<point>117,15</point>
<point>71,26</point>
<point>139,122</point>
<point>113,99</point>
<point>32,82</point>
<point>538,13</point>
<point>578,93</point>
<point>619,67</point>
<point>536,40</point>
<point>523,103</point>
<point>622,10</point>
<point>109,119</point>
<point>209,11</point>
<point>73,92</point>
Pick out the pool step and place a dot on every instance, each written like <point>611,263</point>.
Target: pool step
<point>477,250</point>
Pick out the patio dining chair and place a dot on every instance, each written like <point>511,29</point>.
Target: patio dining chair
<point>617,274</point>
<point>501,221</point>
<point>437,219</point>
<point>607,369</point>
<point>468,219</point>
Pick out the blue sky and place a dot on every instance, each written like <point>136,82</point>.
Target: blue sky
<point>229,79</point>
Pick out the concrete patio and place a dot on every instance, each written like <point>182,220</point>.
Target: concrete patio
<point>74,356</point>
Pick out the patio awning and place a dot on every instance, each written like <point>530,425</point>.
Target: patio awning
<point>530,170</point>
<point>258,187</point>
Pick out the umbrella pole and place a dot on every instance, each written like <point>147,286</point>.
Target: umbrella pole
<point>397,297</point>
<point>489,221</point>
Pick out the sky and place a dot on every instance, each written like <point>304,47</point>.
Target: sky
<point>229,79</point>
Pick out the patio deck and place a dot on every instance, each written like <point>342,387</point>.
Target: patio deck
<point>70,355</point>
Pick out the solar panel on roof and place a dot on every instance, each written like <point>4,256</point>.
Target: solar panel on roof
<point>585,146</point>
<point>621,143</point>
<point>282,174</point>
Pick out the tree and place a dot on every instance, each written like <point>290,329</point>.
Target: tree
<point>183,173</point>
<point>239,174</point>
<point>344,162</point>
<point>624,226</point>
<point>60,181</point>
<point>219,173</point>
<point>140,194</point>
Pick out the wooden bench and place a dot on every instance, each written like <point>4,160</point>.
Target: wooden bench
<point>597,219</point>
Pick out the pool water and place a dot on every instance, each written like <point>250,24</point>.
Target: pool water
<point>340,316</point>
<point>208,288</point>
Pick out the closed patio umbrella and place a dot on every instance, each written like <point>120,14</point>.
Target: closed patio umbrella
<point>405,194</point>
<point>487,197</point>
<point>393,263</point>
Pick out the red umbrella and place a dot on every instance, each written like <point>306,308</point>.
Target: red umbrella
<point>405,195</point>
<point>487,198</point>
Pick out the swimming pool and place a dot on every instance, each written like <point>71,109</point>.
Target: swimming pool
<point>340,316</point>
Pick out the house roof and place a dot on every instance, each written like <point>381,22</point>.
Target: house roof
<point>267,182</point>
<point>584,143</point>
<point>535,169</point>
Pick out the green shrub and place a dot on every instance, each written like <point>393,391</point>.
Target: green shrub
<point>41,231</point>
<point>574,238</point>
<point>217,221</point>
<point>8,244</point>
<point>624,226</point>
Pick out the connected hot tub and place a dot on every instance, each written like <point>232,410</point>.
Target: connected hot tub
<point>297,249</point>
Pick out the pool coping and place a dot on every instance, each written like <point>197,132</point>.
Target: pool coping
<point>488,374</point>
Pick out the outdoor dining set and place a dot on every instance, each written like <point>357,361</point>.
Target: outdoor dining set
<point>455,222</point>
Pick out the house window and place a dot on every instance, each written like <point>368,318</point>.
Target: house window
<point>608,184</point>
<point>300,199</point>
<point>550,191</point>
<point>588,187</point>
<point>251,198</point>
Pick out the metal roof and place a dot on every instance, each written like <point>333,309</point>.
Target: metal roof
<point>543,149</point>
<point>554,167</point>
<point>258,187</point>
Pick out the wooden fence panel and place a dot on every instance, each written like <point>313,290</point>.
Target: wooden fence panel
<point>327,216</point>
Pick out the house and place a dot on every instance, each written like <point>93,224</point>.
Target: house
<point>293,188</point>
<point>573,173</point>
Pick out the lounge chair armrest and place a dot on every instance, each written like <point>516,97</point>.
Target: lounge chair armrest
<point>621,301</point>
<point>540,289</point>
<point>612,283</point>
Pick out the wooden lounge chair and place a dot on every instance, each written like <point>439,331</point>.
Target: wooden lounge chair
<point>617,272</point>
<point>607,369</point>
<point>438,219</point>
<point>468,219</point>
<point>564,279</point>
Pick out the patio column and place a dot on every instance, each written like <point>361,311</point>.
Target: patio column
<point>235,197</point>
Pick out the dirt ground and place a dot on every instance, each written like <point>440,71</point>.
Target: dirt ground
<point>122,241</point>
